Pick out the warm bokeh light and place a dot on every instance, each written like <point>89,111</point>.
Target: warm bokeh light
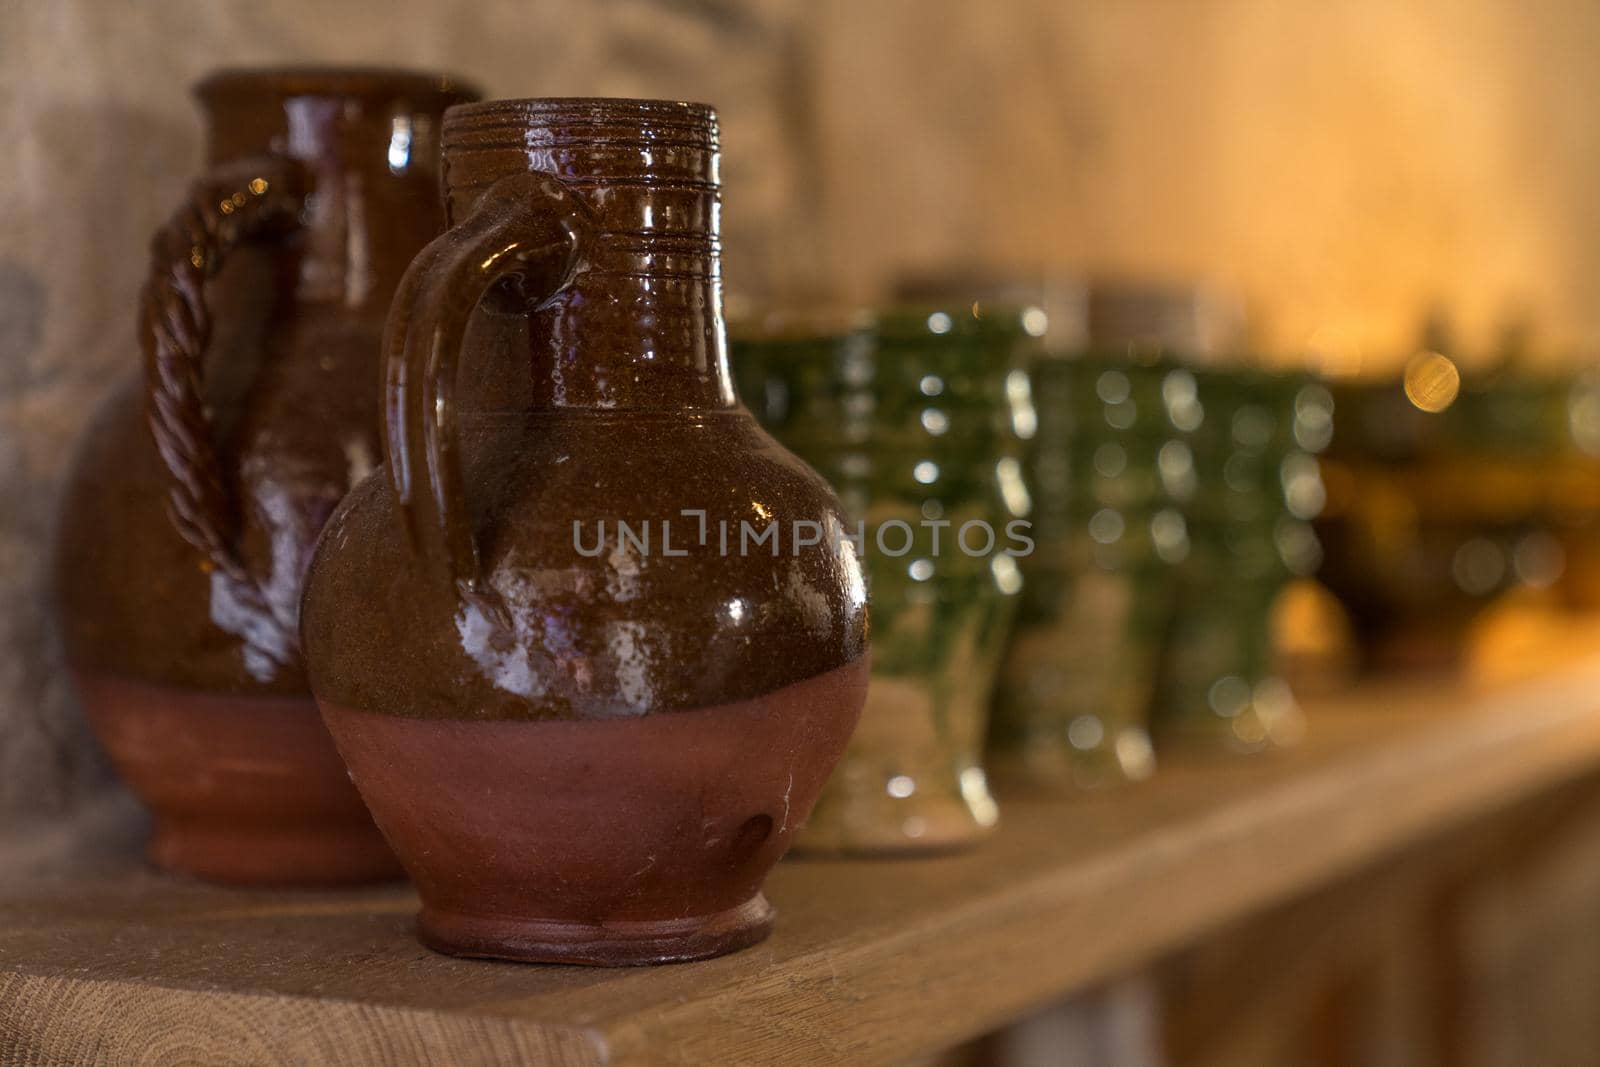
<point>1432,381</point>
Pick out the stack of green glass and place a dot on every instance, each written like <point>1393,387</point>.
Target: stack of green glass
<point>916,418</point>
<point>1255,437</point>
<point>1108,468</point>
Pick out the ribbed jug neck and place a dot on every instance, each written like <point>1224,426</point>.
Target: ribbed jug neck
<point>641,324</point>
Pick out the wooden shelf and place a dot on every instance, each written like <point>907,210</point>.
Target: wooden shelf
<point>872,962</point>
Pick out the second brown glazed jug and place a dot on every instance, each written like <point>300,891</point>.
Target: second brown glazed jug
<point>586,705</point>
<point>199,489</point>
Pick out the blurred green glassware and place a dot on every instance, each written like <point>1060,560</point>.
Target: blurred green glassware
<point>1255,438</point>
<point>917,417</point>
<point>1108,468</point>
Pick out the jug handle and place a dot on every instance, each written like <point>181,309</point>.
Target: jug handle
<point>525,226</point>
<point>245,201</point>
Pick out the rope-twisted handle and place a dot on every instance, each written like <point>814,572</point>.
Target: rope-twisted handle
<point>243,202</point>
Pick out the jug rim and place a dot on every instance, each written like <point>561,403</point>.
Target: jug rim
<point>582,110</point>
<point>369,81</point>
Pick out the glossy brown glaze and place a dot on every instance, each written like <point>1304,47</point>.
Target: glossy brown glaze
<point>199,489</point>
<point>504,682</point>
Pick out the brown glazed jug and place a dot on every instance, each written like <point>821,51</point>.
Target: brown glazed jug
<point>586,720</point>
<point>198,491</point>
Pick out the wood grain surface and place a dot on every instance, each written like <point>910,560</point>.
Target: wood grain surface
<point>872,962</point>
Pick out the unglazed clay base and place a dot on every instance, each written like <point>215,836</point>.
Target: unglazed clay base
<point>602,944</point>
<point>613,841</point>
<point>244,790</point>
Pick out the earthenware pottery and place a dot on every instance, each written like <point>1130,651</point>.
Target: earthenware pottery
<point>1111,474</point>
<point>589,644</point>
<point>1109,471</point>
<point>1433,515</point>
<point>917,417</point>
<point>1255,441</point>
<point>1576,521</point>
<point>1113,317</point>
<point>1185,320</point>
<point>199,488</point>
